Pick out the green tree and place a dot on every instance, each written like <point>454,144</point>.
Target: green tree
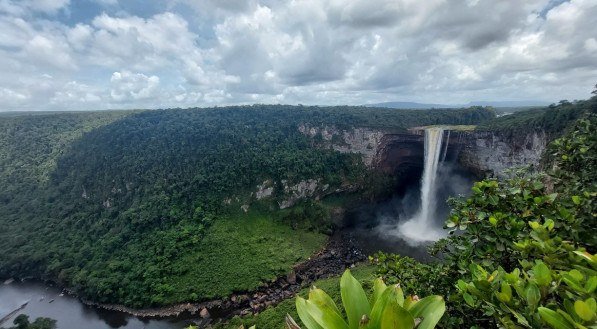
<point>22,322</point>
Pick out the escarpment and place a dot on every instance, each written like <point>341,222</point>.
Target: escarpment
<point>482,152</point>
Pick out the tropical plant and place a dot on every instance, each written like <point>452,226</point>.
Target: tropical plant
<point>389,308</point>
<point>536,294</point>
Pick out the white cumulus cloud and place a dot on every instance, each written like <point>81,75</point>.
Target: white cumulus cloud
<point>128,86</point>
<point>58,55</point>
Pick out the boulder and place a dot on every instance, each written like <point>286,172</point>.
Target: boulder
<point>204,313</point>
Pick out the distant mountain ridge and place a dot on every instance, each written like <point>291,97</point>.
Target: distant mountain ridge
<point>414,105</point>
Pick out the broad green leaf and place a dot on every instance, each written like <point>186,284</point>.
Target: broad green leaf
<point>325,316</point>
<point>542,274</point>
<point>468,299</point>
<point>379,307</point>
<point>305,315</point>
<point>378,289</point>
<point>533,296</point>
<point>591,258</point>
<point>354,299</point>
<point>554,319</point>
<point>549,224</point>
<point>592,304</point>
<point>584,310</point>
<point>392,294</point>
<point>576,275</point>
<point>576,199</point>
<point>461,285</point>
<point>572,282</point>
<point>505,295</point>
<point>513,277</point>
<point>571,320</point>
<point>396,317</point>
<point>591,284</point>
<point>492,220</point>
<point>519,317</point>
<point>430,309</point>
<point>322,299</point>
<point>398,294</point>
<point>568,311</point>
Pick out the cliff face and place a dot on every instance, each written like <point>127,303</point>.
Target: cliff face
<point>481,152</point>
<point>492,153</point>
<point>398,153</point>
<point>402,155</point>
<point>363,141</point>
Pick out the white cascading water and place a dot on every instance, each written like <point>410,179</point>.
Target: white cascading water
<point>421,227</point>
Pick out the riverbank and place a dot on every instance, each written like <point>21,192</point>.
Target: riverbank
<point>338,254</point>
<point>11,314</point>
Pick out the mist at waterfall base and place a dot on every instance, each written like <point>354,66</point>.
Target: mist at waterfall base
<point>401,225</point>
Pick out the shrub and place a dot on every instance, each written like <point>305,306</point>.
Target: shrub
<point>389,308</point>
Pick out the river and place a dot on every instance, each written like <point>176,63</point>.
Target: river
<point>70,312</point>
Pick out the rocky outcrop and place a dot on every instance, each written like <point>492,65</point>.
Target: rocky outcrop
<point>493,153</point>
<point>481,152</point>
<point>304,189</point>
<point>391,153</point>
<point>264,190</point>
<point>363,141</point>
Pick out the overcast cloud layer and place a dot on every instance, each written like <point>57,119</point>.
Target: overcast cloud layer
<point>99,54</point>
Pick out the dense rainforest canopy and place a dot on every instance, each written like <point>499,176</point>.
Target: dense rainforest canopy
<point>130,207</point>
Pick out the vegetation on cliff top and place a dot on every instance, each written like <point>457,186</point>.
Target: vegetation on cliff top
<point>553,119</point>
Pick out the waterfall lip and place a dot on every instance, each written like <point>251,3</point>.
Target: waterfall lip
<point>444,127</point>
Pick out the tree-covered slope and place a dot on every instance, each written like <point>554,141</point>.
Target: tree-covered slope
<point>553,119</point>
<point>142,208</point>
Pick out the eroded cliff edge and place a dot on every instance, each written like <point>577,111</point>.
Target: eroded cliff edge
<point>482,152</point>
<point>491,153</point>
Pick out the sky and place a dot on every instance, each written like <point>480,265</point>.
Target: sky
<point>115,54</point>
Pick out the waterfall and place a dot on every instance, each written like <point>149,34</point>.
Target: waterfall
<point>421,227</point>
<point>446,146</point>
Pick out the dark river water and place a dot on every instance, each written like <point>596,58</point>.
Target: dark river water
<point>69,312</point>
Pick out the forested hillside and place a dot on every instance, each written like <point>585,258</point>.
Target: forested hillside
<point>552,119</point>
<point>143,208</point>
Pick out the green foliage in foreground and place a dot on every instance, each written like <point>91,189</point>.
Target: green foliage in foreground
<point>542,272</point>
<point>537,294</point>
<point>22,322</point>
<point>388,308</point>
<point>523,256</point>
